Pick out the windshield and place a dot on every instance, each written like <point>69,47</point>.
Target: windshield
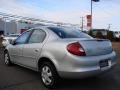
<point>68,32</point>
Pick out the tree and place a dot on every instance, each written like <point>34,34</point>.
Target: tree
<point>91,33</point>
<point>99,35</point>
<point>110,35</point>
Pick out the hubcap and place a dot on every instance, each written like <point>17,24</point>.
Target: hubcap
<point>46,75</point>
<point>6,59</point>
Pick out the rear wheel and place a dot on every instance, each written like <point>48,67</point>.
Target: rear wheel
<point>7,58</point>
<point>48,75</point>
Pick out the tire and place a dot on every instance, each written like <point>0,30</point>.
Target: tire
<point>48,75</point>
<point>7,59</point>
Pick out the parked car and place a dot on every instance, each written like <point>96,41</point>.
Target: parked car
<point>60,52</point>
<point>8,39</point>
<point>117,34</point>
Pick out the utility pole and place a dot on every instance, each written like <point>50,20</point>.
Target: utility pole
<point>5,32</point>
<point>91,14</point>
<point>109,26</point>
<point>82,23</point>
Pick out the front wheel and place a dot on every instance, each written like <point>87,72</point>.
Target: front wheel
<point>7,59</point>
<point>48,75</point>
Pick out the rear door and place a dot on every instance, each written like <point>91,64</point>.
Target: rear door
<point>32,49</point>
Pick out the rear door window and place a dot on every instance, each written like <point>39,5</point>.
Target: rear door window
<point>37,36</point>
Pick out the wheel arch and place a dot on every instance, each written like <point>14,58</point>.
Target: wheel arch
<point>46,59</point>
<point>5,50</point>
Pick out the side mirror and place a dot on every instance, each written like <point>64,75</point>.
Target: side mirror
<point>12,42</point>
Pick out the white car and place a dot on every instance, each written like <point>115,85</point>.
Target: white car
<point>7,40</point>
<point>117,34</point>
<point>60,52</point>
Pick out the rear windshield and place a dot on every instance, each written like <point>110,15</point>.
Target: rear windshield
<point>68,32</point>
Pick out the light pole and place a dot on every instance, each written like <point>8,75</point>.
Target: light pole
<point>91,14</point>
<point>109,26</point>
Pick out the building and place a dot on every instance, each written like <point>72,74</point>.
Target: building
<point>12,26</point>
<point>103,31</point>
<point>7,27</point>
<point>24,25</point>
<point>1,26</point>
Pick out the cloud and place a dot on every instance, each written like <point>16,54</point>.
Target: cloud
<point>15,7</point>
<point>103,14</point>
<point>18,8</point>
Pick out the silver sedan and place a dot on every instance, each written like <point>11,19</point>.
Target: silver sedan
<point>60,52</point>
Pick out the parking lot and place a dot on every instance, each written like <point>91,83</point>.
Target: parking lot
<point>19,78</point>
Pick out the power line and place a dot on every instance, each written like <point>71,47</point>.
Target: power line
<point>17,18</point>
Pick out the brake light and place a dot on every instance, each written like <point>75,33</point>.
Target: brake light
<point>76,49</point>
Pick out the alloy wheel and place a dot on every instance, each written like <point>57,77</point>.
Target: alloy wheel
<point>46,75</point>
<point>6,59</point>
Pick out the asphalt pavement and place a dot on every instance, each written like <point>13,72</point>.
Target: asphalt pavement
<point>19,78</point>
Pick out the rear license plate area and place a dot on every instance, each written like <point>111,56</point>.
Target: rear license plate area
<point>105,63</point>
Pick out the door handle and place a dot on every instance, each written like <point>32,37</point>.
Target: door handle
<point>36,50</point>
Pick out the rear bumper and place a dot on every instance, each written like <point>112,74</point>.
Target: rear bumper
<point>83,74</point>
<point>81,67</point>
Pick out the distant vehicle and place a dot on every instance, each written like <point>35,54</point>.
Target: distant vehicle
<point>8,39</point>
<point>60,52</point>
<point>13,36</point>
<point>117,34</point>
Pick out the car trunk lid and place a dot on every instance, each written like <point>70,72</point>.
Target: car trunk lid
<point>94,47</point>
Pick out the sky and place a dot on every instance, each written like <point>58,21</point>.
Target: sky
<point>105,12</point>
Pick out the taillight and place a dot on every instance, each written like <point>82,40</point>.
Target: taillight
<point>76,49</point>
